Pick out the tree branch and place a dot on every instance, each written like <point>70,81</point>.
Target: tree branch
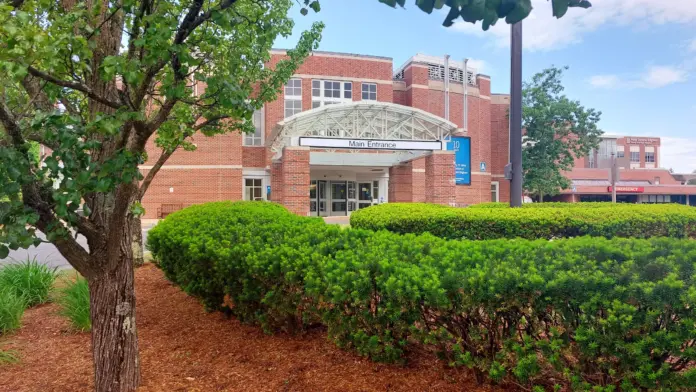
<point>154,170</point>
<point>73,85</point>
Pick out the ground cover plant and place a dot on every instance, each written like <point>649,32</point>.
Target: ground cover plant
<point>73,299</point>
<point>29,280</point>
<point>584,313</point>
<point>556,220</point>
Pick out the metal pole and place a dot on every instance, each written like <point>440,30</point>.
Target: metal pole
<point>614,174</point>
<point>516,114</point>
<point>465,82</point>
<point>447,109</point>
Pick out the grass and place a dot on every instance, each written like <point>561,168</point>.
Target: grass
<point>73,300</point>
<point>8,356</point>
<point>29,280</point>
<point>11,310</point>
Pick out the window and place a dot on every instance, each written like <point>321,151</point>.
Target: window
<point>253,189</point>
<point>650,157</point>
<point>375,190</point>
<point>293,97</point>
<point>327,92</point>
<point>495,195</point>
<point>657,181</point>
<point>635,156</point>
<point>620,153</point>
<point>369,91</point>
<point>256,138</point>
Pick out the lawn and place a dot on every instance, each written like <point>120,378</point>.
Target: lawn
<point>183,348</point>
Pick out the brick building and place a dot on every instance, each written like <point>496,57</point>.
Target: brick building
<point>348,131</point>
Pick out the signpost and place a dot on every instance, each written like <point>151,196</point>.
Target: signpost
<point>461,145</point>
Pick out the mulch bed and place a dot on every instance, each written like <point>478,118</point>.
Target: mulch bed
<point>183,348</point>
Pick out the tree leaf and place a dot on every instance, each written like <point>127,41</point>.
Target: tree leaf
<point>521,11</point>
<point>426,5</point>
<point>560,7</point>
<point>451,16</point>
<point>391,3</point>
<point>4,251</point>
<point>304,11</point>
<point>315,6</point>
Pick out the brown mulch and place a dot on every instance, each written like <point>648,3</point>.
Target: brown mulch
<point>183,348</point>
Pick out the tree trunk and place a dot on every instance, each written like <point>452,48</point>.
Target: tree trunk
<point>114,336</point>
<point>137,245</point>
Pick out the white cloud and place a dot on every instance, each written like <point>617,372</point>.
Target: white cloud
<point>679,154</point>
<point>605,81</point>
<point>692,46</point>
<point>479,65</point>
<point>660,76</point>
<point>655,76</point>
<point>544,32</point>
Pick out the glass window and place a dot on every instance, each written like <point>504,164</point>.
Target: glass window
<point>294,88</point>
<point>635,156</point>
<point>650,157</point>
<point>293,97</point>
<point>620,154</point>
<point>369,91</point>
<point>253,189</point>
<point>256,138</point>
<point>494,192</point>
<point>327,92</point>
<point>375,190</point>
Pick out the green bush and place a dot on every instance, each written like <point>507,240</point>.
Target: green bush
<point>73,299</point>
<point>583,313</point>
<point>11,310</point>
<point>30,280</point>
<point>592,204</point>
<point>629,220</point>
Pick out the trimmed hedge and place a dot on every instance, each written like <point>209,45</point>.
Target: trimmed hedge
<point>584,313</point>
<point>591,204</point>
<point>629,220</point>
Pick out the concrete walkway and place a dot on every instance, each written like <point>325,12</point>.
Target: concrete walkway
<point>337,220</point>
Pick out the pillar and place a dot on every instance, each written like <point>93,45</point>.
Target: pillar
<point>439,178</point>
<point>277,181</point>
<point>294,170</point>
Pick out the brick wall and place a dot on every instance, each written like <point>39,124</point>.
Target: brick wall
<point>295,182</point>
<point>439,178</point>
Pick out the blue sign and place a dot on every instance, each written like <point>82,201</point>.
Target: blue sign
<point>461,145</point>
<point>483,167</point>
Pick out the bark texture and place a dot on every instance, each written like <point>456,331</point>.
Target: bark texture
<point>114,335</point>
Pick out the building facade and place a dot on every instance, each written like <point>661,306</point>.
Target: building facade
<point>348,131</point>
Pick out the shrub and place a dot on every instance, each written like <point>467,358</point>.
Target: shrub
<point>29,280</point>
<point>635,220</point>
<point>584,313</point>
<point>11,310</point>
<point>591,204</point>
<point>73,300</point>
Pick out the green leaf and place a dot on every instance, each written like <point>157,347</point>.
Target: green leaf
<point>391,3</point>
<point>474,12</point>
<point>4,251</point>
<point>585,4</point>
<point>560,7</point>
<point>426,5</point>
<point>521,11</point>
<point>315,6</point>
<point>304,11</point>
<point>505,7</point>
<point>451,16</point>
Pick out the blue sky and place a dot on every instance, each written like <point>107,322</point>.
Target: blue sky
<point>635,60</point>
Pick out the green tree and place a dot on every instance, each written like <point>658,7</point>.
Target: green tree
<point>94,81</point>
<point>692,181</point>
<point>488,11</point>
<point>557,130</point>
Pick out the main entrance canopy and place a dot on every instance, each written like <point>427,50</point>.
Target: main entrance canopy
<point>373,121</point>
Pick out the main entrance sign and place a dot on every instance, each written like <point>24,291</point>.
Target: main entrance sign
<point>370,144</point>
<point>461,145</point>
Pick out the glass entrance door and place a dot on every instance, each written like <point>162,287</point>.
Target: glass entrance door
<point>364,194</point>
<point>339,199</point>
<point>321,198</point>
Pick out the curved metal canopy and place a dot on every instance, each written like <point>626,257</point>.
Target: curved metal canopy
<point>362,120</point>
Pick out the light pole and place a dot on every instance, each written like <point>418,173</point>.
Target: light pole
<point>516,114</point>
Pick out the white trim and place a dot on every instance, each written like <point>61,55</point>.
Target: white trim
<point>481,173</point>
<point>291,97</point>
<point>263,130</point>
<point>362,86</point>
<point>324,100</point>
<point>263,185</point>
<point>342,78</point>
<point>186,167</point>
<point>497,190</point>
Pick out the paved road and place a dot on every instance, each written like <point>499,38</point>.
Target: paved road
<point>47,254</point>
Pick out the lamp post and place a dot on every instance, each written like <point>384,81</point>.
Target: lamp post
<point>516,114</point>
